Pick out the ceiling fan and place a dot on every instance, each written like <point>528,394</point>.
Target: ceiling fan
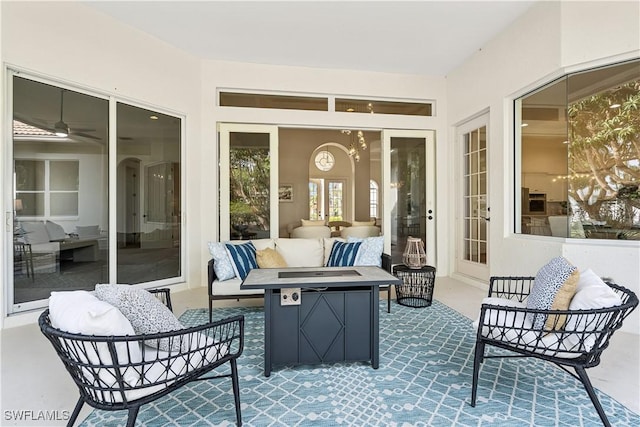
<point>62,130</point>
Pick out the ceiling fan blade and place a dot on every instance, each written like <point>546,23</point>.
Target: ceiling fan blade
<point>85,135</point>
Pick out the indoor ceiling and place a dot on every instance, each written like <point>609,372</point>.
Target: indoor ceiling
<point>413,37</point>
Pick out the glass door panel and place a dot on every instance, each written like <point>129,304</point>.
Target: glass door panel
<point>60,191</point>
<point>409,199</point>
<point>472,257</point>
<point>335,199</point>
<point>149,200</point>
<point>248,182</point>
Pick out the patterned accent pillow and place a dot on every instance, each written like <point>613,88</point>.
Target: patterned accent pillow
<point>222,265</point>
<point>145,312</point>
<point>243,258</point>
<point>370,252</point>
<point>269,258</point>
<point>554,286</point>
<point>343,254</point>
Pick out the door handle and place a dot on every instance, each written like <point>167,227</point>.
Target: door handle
<point>488,219</point>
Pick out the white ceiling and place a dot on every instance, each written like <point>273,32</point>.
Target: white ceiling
<point>413,37</point>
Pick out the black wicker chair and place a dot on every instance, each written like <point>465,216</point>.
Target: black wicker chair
<point>577,344</point>
<point>105,382</point>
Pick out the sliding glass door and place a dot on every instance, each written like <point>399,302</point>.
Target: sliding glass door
<point>149,201</point>
<point>96,192</point>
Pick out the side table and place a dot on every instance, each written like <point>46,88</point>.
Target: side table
<point>417,288</point>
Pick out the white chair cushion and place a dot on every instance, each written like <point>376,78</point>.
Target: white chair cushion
<point>508,326</point>
<point>80,312</point>
<point>592,293</point>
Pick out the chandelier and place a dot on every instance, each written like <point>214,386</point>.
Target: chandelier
<point>356,143</point>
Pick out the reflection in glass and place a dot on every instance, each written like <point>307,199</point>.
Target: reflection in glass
<point>149,195</point>
<point>408,193</point>
<point>579,155</point>
<point>61,185</point>
<point>249,185</point>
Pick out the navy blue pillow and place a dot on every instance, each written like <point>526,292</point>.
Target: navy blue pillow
<point>243,257</point>
<point>343,254</point>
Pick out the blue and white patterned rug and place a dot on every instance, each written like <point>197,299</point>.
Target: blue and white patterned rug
<point>424,379</point>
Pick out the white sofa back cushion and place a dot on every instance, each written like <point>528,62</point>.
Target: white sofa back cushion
<point>55,231</point>
<point>36,232</point>
<point>258,243</point>
<point>301,252</point>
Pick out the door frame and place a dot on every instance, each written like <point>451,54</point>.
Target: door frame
<point>430,188</point>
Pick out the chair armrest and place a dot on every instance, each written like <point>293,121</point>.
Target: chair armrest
<point>164,295</point>
<point>107,371</point>
<point>386,262</point>
<point>566,333</point>
<point>211,276</point>
<point>511,287</point>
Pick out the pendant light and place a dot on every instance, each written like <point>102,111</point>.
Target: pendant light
<point>61,129</point>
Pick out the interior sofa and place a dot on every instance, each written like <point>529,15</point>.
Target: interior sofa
<point>311,252</point>
<point>49,243</point>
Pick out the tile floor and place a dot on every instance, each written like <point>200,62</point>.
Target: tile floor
<point>34,379</point>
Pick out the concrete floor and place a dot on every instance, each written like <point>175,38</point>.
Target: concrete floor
<point>33,378</point>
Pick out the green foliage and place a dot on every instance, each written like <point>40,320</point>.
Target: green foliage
<point>249,186</point>
<point>604,154</point>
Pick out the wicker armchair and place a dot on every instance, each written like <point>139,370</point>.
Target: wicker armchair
<point>102,371</point>
<point>577,344</point>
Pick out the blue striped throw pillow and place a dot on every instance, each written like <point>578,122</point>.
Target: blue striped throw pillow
<point>343,254</point>
<point>243,257</point>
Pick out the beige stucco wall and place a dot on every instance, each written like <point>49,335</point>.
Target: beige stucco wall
<point>551,39</point>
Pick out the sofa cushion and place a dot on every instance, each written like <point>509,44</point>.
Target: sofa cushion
<point>301,252</point>
<point>35,232</point>
<point>270,258</point>
<point>243,257</point>
<point>232,287</point>
<point>222,264</point>
<point>553,287</point>
<point>55,231</point>
<point>343,254</point>
<point>313,223</point>
<point>258,243</point>
<point>88,231</point>
<point>359,223</point>
<point>370,252</point>
<point>147,314</point>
